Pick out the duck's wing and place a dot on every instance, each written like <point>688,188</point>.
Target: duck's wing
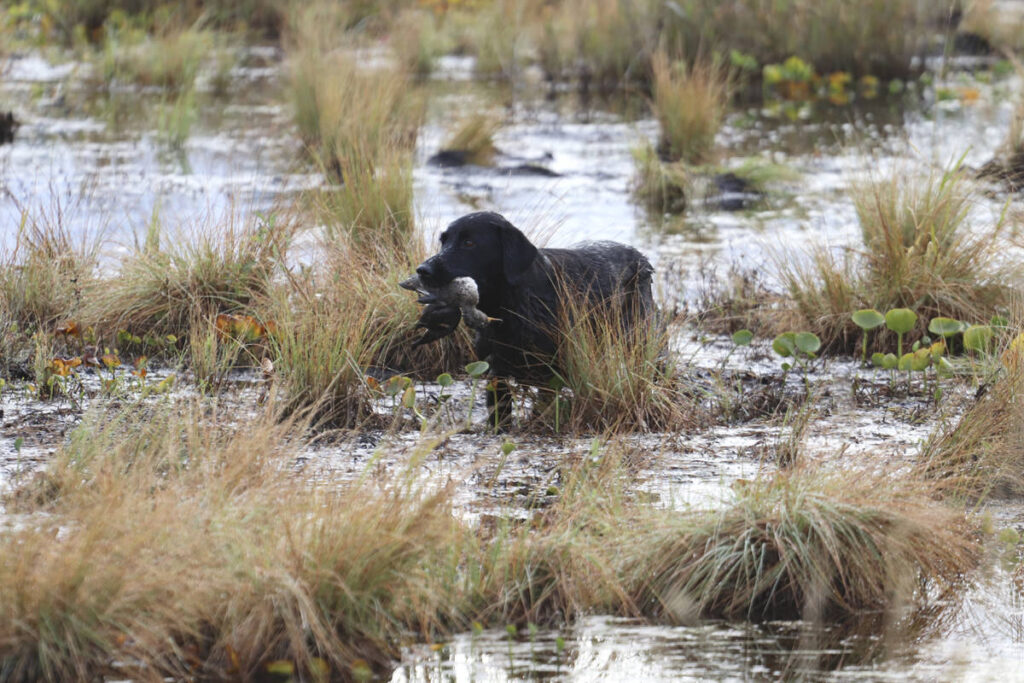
<point>439,320</point>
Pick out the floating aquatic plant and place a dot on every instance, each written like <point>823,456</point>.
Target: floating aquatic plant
<point>901,321</point>
<point>867,319</point>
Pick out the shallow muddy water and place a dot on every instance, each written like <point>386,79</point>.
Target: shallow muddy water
<point>616,649</point>
<point>100,159</point>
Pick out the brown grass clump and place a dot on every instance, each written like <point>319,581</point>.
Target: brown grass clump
<point>498,34</point>
<point>921,250</point>
<point>568,561</point>
<point>373,208</point>
<point>359,124</point>
<point>160,542</point>
<point>347,115</point>
<point>46,270</point>
<point>805,543</point>
<point>980,454</point>
<point>76,20</point>
<point>474,139</point>
<point>336,322</point>
<point>171,59</point>
<point>689,103</point>
<point>167,283</point>
<point>620,378</point>
<point>417,41</point>
<point>174,546</point>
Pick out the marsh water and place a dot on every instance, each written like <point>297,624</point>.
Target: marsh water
<point>97,162</point>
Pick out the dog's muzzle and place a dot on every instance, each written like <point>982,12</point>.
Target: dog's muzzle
<point>433,273</point>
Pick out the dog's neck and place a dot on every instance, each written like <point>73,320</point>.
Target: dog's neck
<point>493,300</point>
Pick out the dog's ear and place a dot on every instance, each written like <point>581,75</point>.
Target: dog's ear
<point>517,252</point>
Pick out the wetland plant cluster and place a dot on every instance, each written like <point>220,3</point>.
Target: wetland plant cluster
<point>327,581</point>
<point>165,537</point>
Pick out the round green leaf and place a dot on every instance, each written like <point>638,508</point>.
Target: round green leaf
<point>978,338</point>
<point>807,342</point>
<point>890,361</point>
<point>868,318</point>
<point>445,379</point>
<point>784,344</point>
<point>877,359</point>
<point>477,368</point>
<point>906,362</point>
<point>900,320</point>
<point>742,337</point>
<point>946,327</point>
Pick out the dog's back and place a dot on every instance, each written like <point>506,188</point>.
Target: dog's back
<point>597,275</point>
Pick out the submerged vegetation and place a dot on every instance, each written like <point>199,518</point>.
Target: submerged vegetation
<point>256,472</point>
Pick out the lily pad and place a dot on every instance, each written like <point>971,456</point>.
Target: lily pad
<point>900,320</point>
<point>785,344</point>
<point>477,368</point>
<point>742,337</point>
<point>807,342</point>
<point>868,318</point>
<point>946,327</point>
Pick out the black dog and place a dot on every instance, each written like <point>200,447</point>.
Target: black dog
<point>521,287</point>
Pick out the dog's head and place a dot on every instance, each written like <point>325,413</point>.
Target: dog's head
<point>483,246</point>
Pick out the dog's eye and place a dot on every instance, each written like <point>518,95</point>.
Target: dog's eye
<point>467,243</point>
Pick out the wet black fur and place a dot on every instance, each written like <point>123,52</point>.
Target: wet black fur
<point>522,286</point>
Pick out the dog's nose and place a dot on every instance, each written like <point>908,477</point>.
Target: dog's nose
<point>433,273</point>
<point>425,271</point>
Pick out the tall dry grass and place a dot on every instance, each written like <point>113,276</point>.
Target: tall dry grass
<point>878,37</point>
<point>923,249</point>
<point>619,374</point>
<point>661,187</point>
<point>169,59</point>
<point>173,279</point>
<point>46,269</point>
<point>359,123</point>
<point>373,206</point>
<point>808,543</point>
<point>474,139</point>
<point>164,541</point>
<point>73,20</point>
<point>689,101</point>
<point>336,322</point>
<point>347,113</point>
<point>161,542</point>
<point>978,455</point>
<point>604,44</point>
